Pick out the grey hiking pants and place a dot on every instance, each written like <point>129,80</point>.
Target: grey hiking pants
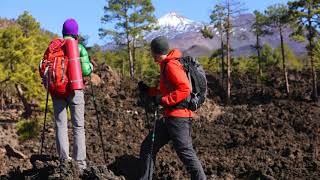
<point>179,131</point>
<point>76,103</point>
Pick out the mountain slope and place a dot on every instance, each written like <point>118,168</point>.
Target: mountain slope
<point>184,34</point>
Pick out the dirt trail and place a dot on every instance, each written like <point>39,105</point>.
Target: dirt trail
<point>261,135</point>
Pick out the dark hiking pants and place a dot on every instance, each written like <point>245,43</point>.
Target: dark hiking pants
<point>178,130</point>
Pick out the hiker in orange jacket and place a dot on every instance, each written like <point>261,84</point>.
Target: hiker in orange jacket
<point>176,76</point>
<point>175,125</point>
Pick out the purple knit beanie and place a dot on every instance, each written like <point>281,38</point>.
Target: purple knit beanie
<point>70,27</point>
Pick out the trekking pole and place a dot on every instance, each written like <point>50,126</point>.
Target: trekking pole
<point>98,119</point>
<point>45,116</point>
<point>152,143</point>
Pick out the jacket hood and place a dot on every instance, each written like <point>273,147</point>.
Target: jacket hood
<point>172,55</point>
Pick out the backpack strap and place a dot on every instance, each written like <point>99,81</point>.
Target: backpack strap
<point>195,78</point>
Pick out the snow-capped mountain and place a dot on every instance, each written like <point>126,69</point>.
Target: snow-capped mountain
<point>180,23</point>
<point>184,33</point>
<point>173,24</point>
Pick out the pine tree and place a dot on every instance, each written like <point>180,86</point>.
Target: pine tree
<point>22,45</point>
<point>222,18</point>
<point>260,30</point>
<point>306,15</point>
<point>316,54</point>
<point>267,59</point>
<point>14,50</point>
<point>28,24</point>
<point>278,16</point>
<point>217,22</point>
<point>232,9</point>
<point>132,18</point>
<point>292,61</point>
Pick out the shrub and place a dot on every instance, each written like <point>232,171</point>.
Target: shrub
<point>28,129</point>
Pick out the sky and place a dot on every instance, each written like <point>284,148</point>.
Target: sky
<point>52,14</point>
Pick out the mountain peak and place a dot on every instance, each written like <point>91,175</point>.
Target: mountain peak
<point>173,19</point>
<point>172,24</point>
<point>172,13</point>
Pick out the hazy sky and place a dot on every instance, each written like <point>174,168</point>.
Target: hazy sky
<point>88,13</point>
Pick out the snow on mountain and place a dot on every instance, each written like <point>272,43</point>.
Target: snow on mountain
<point>180,23</point>
<point>173,24</point>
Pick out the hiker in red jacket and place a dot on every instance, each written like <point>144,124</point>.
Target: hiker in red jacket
<point>175,125</point>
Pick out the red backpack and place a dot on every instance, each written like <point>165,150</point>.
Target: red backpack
<point>54,69</point>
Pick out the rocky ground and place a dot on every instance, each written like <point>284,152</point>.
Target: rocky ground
<point>261,135</point>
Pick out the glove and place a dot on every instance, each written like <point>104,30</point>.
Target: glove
<point>143,96</point>
<point>143,88</point>
<point>157,100</point>
<point>147,102</point>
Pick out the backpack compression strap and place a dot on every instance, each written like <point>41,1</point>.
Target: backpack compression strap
<point>191,71</point>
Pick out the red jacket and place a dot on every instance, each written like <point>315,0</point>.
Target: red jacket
<point>177,78</point>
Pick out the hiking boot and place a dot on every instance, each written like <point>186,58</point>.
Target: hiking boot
<point>64,162</point>
<point>82,165</point>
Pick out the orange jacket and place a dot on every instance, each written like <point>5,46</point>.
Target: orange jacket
<point>180,86</point>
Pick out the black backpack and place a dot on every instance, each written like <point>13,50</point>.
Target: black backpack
<point>198,82</point>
